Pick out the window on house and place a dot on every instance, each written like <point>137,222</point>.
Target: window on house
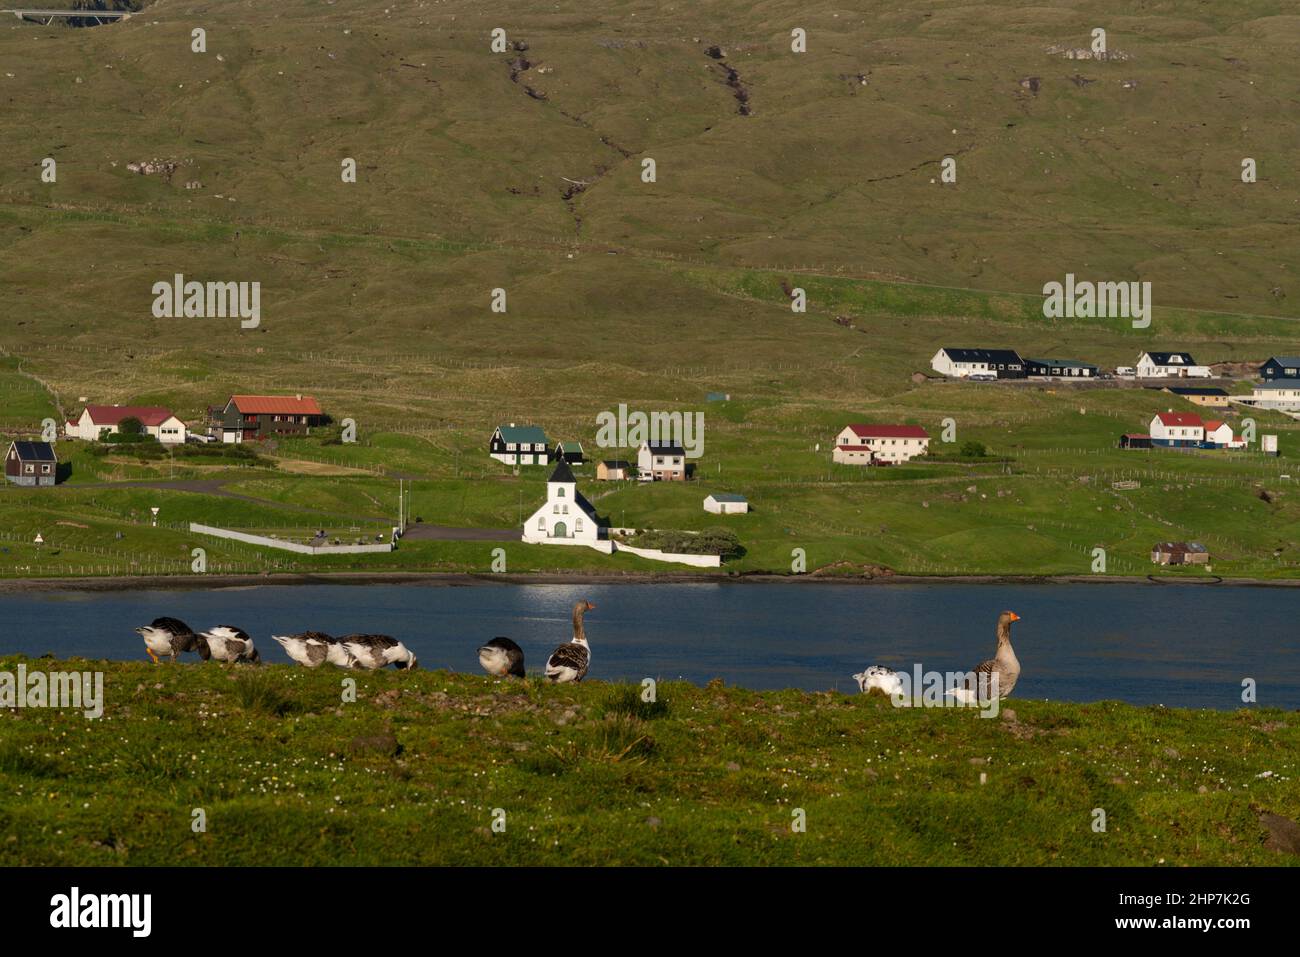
<point>559,492</point>
<point>577,527</point>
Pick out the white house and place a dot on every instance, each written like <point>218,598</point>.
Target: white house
<point>963,363</point>
<point>1282,395</point>
<point>96,420</point>
<point>726,503</point>
<point>567,518</point>
<point>1220,434</point>
<point>879,444</point>
<point>1170,365</point>
<point>664,461</point>
<point>1177,429</point>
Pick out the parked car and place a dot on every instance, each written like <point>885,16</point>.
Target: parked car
<point>982,377</point>
<point>1126,372</point>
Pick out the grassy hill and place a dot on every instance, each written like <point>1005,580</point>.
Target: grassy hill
<point>414,770</point>
<point>522,170</point>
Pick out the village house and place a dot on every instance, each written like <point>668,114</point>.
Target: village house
<point>1211,398</point>
<point>1170,365</point>
<point>1280,367</point>
<point>613,470</point>
<point>1177,429</point>
<point>662,461</point>
<point>570,452</point>
<point>519,445</point>
<point>1059,369</point>
<point>1218,434</point>
<point>566,518</point>
<point>31,463</point>
<point>1180,553</point>
<point>1280,395</point>
<point>726,503</point>
<point>249,418</point>
<point>97,421</point>
<point>979,363</point>
<point>865,444</point>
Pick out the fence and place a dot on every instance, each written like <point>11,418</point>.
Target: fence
<point>290,546</point>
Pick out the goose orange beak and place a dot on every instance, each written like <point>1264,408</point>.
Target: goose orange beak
<point>1014,616</point>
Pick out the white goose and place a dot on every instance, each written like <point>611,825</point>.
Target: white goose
<point>878,676</point>
<point>230,644</point>
<point>373,652</point>
<point>311,649</point>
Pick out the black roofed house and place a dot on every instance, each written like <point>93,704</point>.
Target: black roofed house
<point>31,463</point>
<point>662,461</point>
<point>1170,365</point>
<point>1281,367</point>
<point>566,517</point>
<point>1214,398</point>
<point>1059,368</point>
<point>979,363</point>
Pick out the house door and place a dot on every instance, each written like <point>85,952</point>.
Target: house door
<point>559,531</point>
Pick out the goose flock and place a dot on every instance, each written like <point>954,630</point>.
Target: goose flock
<point>503,658</point>
<point>171,637</point>
<point>1003,669</point>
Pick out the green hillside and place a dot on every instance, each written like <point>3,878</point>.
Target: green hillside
<point>521,170</point>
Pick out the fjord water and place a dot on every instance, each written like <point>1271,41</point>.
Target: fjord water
<point>1176,645</point>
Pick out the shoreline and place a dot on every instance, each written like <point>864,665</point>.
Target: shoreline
<point>462,579</point>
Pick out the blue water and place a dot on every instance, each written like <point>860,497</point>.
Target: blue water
<point>1177,645</point>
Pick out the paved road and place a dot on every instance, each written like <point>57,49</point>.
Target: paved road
<point>447,533</point>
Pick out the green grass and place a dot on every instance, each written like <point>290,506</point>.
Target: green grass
<point>286,772</point>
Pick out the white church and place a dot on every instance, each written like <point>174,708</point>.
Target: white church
<point>567,518</point>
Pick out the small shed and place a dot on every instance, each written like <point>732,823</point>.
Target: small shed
<point>31,463</point>
<point>570,452</point>
<point>613,470</point>
<point>1180,553</point>
<point>726,503</point>
<point>1134,440</point>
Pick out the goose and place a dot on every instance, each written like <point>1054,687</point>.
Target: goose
<point>569,662</point>
<point>228,643</point>
<point>170,637</point>
<point>878,676</point>
<point>373,652</point>
<point>501,657</point>
<point>1004,666</point>
<point>313,648</point>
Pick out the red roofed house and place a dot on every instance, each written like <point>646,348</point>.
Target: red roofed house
<point>1177,429</point>
<point>98,420</point>
<point>880,444</point>
<point>247,418</point>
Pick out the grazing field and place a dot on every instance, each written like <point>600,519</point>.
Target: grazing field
<point>521,171</point>
<point>415,769</point>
